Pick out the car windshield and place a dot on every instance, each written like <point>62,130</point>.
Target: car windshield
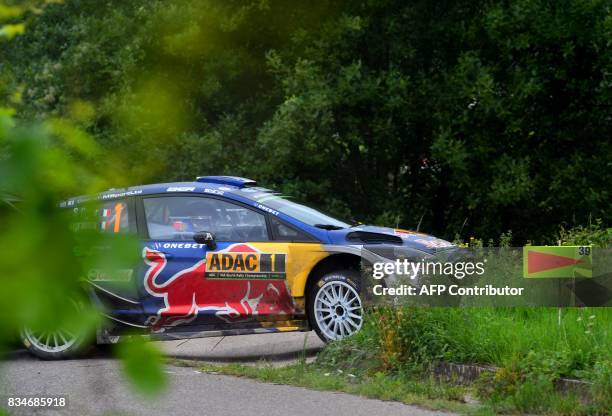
<point>300,212</point>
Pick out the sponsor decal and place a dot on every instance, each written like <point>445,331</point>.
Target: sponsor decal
<point>213,191</point>
<point>158,246</point>
<point>434,243</point>
<point>405,233</point>
<point>120,194</point>
<point>67,204</point>
<point>265,208</point>
<point>190,291</point>
<point>181,189</point>
<point>236,265</point>
<point>122,275</point>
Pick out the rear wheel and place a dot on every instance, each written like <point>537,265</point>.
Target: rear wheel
<point>335,310</point>
<point>56,344</point>
<point>51,345</point>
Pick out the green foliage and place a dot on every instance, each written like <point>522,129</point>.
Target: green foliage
<point>532,395</point>
<point>461,117</point>
<point>39,166</point>
<point>591,234</point>
<point>527,384</point>
<point>602,386</point>
<point>9,26</point>
<point>36,229</point>
<point>529,345</point>
<point>143,363</point>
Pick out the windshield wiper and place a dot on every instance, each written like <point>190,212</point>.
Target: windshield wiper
<point>329,226</point>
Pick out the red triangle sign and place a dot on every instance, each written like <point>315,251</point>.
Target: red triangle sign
<point>539,262</point>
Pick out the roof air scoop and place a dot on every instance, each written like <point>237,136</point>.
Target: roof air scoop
<point>227,180</point>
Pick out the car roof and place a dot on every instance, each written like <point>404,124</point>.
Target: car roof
<point>215,185</point>
<point>235,188</point>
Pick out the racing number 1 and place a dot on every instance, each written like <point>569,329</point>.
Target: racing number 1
<point>118,209</point>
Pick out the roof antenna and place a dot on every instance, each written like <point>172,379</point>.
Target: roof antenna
<point>464,222</point>
<point>419,224</point>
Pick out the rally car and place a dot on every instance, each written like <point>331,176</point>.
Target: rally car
<point>223,256</point>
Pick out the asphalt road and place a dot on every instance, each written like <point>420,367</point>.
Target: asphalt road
<point>95,386</point>
<point>275,349</point>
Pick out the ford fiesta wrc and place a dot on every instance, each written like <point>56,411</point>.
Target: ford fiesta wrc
<point>223,256</point>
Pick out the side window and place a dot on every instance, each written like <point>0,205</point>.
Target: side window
<point>284,232</point>
<point>178,217</point>
<point>113,217</point>
<point>108,216</point>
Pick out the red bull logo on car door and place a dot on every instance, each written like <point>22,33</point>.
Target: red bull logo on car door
<point>235,284</point>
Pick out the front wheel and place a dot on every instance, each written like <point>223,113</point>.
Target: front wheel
<point>335,310</point>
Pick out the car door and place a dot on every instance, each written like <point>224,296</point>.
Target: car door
<point>231,284</point>
<point>112,280</point>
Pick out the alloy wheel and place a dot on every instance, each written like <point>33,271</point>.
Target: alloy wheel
<point>51,341</point>
<point>338,310</point>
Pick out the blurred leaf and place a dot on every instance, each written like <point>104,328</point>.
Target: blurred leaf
<point>6,119</point>
<point>82,111</point>
<point>9,31</point>
<point>142,364</point>
<point>49,256</point>
<point>9,12</point>
<point>74,137</point>
<point>43,272</point>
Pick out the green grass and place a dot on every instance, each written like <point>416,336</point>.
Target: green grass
<point>532,347</point>
<point>498,336</point>
<point>391,358</point>
<point>423,392</point>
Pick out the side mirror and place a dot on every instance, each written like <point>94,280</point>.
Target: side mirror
<point>205,237</point>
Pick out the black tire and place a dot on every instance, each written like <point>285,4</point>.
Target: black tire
<point>339,317</point>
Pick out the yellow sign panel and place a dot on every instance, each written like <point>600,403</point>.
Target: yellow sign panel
<point>250,265</point>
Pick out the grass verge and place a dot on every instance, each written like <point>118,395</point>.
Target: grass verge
<point>532,347</point>
<point>425,393</point>
<point>392,357</point>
